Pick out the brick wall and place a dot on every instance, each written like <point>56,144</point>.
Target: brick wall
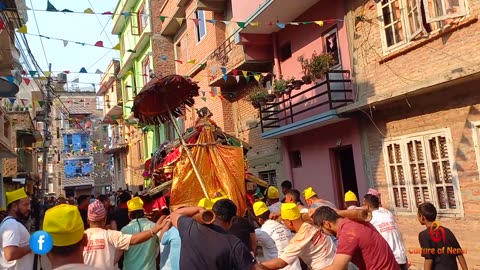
<point>438,57</point>
<point>426,113</point>
<point>161,45</point>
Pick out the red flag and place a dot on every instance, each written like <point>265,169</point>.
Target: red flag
<point>235,72</point>
<point>179,61</point>
<point>24,72</point>
<point>23,100</point>
<point>2,25</point>
<point>66,71</point>
<point>99,43</point>
<point>196,21</point>
<point>27,81</point>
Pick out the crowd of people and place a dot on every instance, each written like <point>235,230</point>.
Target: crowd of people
<point>124,231</point>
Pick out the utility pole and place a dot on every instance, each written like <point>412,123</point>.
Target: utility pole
<point>47,140</point>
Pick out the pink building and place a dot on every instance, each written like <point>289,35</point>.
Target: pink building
<point>319,148</point>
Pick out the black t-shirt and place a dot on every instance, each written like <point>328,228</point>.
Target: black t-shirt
<point>84,215</point>
<point>210,247</point>
<point>442,254</point>
<point>121,217</point>
<point>242,229</point>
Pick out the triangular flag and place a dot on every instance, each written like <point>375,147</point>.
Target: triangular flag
<point>83,70</point>
<point>24,72</point>
<point>107,13</point>
<point>47,73</point>
<point>35,103</point>
<point>98,71</point>
<point>295,23</point>
<point>163,57</point>
<point>43,78</point>
<point>237,78</point>
<point>204,99</point>
<point>66,71</point>
<point>76,81</point>
<point>179,20</point>
<point>99,43</point>
<point>245,73</point>
<point>11,79</point>
<point>131,51</point>
<point>224,70</point>
<point>179,61</point>
<point>235,72</point>
<point>281,25</point>
<point>257,77</point>
<point>41,103</point>
<point>241,24</point>
<point>26,80</point>
<point>65,43</point>
<point>12,100</point>
<point>162,18</point>
<point>254,24</point>
<point>306,22</point>
<point>23,100</point>
<point>320,23</point>
<point>126,14</point>
<point>67,11</point>
<point>196,21</point>
<point>212,21</point>
<point>50,7</point>
<point>204,65</point>
<point>117,47</point>
<point>192,61</point>
<point>88,11</point>
<point>214,69</point>
<point>225,77</point>
<point>32,73</point>
<point>2,25</point>
<point>22,29</point>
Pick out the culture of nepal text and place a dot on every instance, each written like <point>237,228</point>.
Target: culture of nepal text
<point>437,251</point>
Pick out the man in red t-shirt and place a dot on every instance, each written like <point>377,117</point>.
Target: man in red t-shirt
<point>359,243</point>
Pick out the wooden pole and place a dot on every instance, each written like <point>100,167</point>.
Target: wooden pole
<point>189,154</point>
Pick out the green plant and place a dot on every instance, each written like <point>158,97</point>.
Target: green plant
<point>317,66</point>
<point>258,95</point>
<point>280,86</point>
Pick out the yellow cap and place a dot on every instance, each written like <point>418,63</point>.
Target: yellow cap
<point>308,193</point>
<point>206,203</point>
<point>16,195</point>
<point>290,211</point>
<point>259,208</point>
<point>272,193</point>
<point>135,204</point>
<point>64,223</point>
<point>219,198</point>
<point>350,197</point>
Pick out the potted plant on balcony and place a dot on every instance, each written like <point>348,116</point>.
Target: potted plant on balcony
<point>258,96</point>
<point>281,86</point>
<point>316,67</point>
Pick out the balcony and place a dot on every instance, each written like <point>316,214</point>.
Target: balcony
<point>172,8</point>
<point>308,108</point>
<point>6,149</point>
<point>255,56</point>
<point>211,5</point>
<point>119,20</point>
<point>16,12</point>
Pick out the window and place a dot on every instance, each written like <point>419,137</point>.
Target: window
<point>285,51</point>
<point>178,50</point>
<point>142,18</point>
<point>78,168</point>
<point>146,70</point>
<point>405,20</point>
<point>269,176</point>
<point>420,169</point>
<point>200,25</point>
<point>135,24</point>
<point>139,150</point>
<point>169,131</point>
<point>296,159</point>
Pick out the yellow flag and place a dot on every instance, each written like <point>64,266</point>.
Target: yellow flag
<point>88,11</point>
<point>47,73</point>
<point>129,73</point>
<point>320,23</point>
<point>117,47</point>
<point>22,29</point>
<point>257,77</point>
<point>192,61</point>
<point>43,78</point>
<point>179,20</point>
<point>245,73</point>
<point>254,24</point>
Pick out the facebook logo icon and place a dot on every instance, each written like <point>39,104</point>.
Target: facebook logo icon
<point>41,242</point>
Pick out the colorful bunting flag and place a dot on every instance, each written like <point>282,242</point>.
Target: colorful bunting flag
<point>67,11</point>
<point>237,78</point>
<point>179,20</point>
<point>281,25</point>
<point>257,77</point>
<point>204,99</point>
<point>98,71</point>
<point>107,13</point>
<point>245,73</point>
<point>241,24</point>
<point>117,47</point>
<point>163,57</point>
<point>47,73</point>
<point>88,11</point>
<point>162,18</point>
<point>32,73</point>
<point>254,24</point>
<point>65,43</point>
<point>224,70</point>
<point>12,100</point>
<point>126,14</point>
<point>320,23</point>
<point>27,81</point>
<point>23,100</point>
<point>75,81</point>
<point>212,21</point>
<point>99,43</point>
<point>11,79</point>
<point>50,7</point>
<point>2,25</point>
<point>83,70</point>
<point>192,61</point>
<point>196,21</point>
<point>22,29</point>
<point>225,77</point>
<point>41,103</point>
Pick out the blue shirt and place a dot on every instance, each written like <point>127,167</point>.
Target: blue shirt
<point>170,247</point>
<point>143,254</point>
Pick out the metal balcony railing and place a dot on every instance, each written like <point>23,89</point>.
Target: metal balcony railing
<point>333,92</point>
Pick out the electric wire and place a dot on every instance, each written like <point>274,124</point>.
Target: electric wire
<point>38,29</point>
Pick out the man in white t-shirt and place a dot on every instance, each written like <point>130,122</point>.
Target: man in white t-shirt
<point>273,199</point>
<point>65,225</point>
<point>14,236</point>
<point>384,221</point>
<point>102,244</point>
<point>309,243</point>
<point>273,236</point>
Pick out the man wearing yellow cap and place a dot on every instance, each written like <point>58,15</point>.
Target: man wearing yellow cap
<point>102,244</point>
<point>64,223</point>
<point>351,201</point>
<point>14,237</point>
<point>313,201</point>
<point>309,243</point>
<point>273,236</point>
<point>273,199</point>
<point>143,254</point>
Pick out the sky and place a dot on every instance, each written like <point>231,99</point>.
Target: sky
<point>85,28</point>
